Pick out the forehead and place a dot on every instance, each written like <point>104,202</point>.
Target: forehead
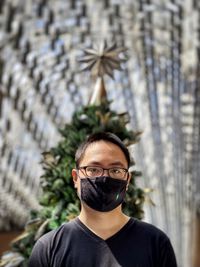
<point>103,153</point>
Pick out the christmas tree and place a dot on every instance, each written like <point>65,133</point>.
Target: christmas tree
<point>59,200</point>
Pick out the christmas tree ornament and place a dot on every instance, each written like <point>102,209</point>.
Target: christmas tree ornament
<point>102,60</point>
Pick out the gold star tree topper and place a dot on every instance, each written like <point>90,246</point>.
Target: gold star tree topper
<point>101,60</point>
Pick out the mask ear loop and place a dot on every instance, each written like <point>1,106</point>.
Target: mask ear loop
<point>127,181</point>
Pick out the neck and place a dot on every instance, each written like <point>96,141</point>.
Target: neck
<point>104,224</point>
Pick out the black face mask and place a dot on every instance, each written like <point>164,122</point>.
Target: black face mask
<point>103,193</point>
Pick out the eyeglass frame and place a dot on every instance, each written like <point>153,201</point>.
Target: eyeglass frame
<point>103,169</point>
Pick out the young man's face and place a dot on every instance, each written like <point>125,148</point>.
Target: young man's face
<point>103,154</point>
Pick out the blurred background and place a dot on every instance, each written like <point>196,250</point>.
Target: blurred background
<point>41,85</point>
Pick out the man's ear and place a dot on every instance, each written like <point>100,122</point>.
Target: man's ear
<point>75,177</point>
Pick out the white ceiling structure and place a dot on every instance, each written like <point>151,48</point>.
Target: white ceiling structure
<point>41,85</point>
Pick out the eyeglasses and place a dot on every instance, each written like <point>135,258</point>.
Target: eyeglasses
<point>93,171</point>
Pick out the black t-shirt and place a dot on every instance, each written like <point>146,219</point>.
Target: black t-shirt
<point>137,244</point>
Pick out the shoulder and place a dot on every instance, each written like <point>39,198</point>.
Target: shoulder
<point>160,244</point>
<point>49,243</point>
<point>150,231</point>
<point>148,227</point>
<point>55,235</point>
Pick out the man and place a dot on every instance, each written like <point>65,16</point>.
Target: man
<point>102,235</point>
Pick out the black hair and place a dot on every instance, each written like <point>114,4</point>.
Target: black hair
<point>105,136</point>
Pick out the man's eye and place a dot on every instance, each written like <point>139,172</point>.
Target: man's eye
<point>93,170</point>
<point>116,171</point>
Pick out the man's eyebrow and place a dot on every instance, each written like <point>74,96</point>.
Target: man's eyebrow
<point>115,163</point>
